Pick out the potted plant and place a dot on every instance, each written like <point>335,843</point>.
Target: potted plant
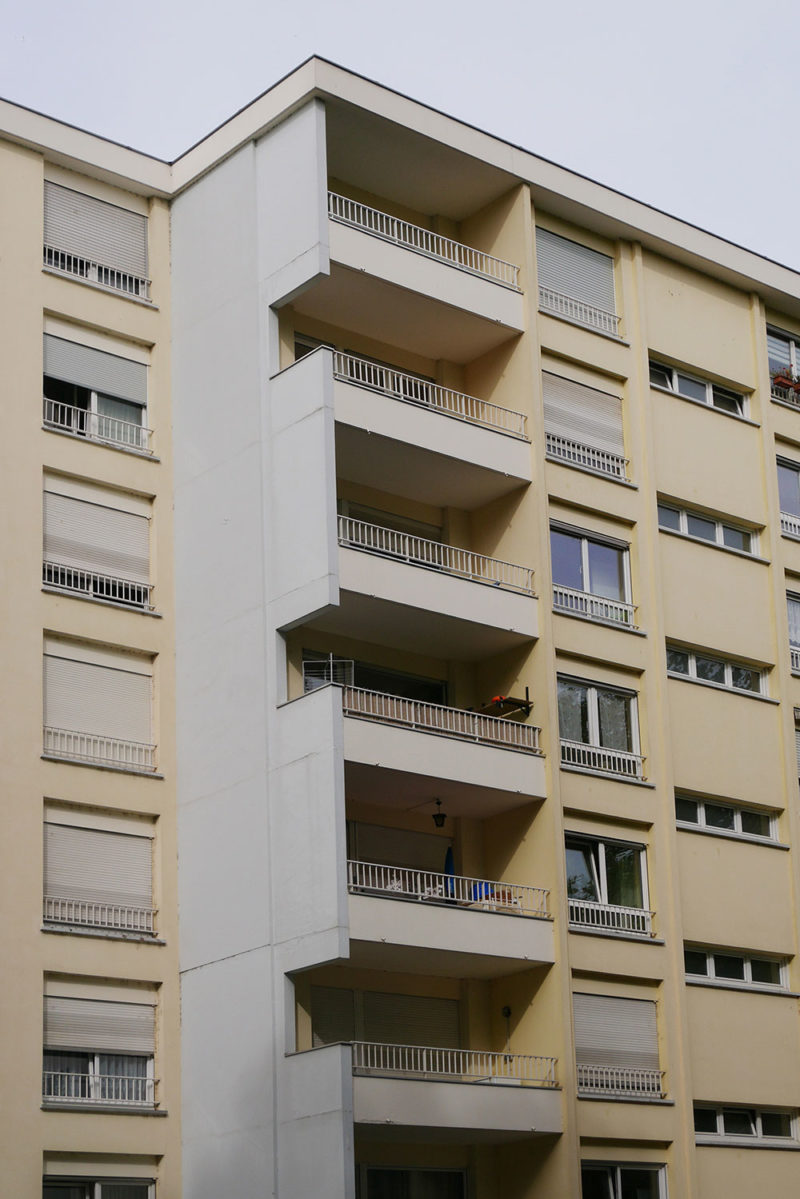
<point>783,378</point>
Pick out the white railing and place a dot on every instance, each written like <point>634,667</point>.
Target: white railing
<point>787,395</point>
<point>621,1081</point>
<point>794,653</point>
<point>435,718</point>
<point>95,426</point>
<point>418,551</point>
<point>95,272</point>
<point>95,585</point>
<point>117,1090</point>
<point>576,310</point>
<point>88,747</point>
<point>402,386</point>
<point>790,524</point>
<point>461,1065</point>
<point>395,882</point>
<point>596,757</point>
<point>583,603</point>
<point>586,456</point>
<point>610,917</point>
<point>98,915</point>
<point>414,237</point>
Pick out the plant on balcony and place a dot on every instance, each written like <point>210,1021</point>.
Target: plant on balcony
<point>784,378</point>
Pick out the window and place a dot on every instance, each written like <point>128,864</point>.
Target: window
<point>789,493</point>
<point>583,426</point>
<point>94,240</point>
<point>97,705</point>
<point>94,394</point>
<point>616,1047</point>
<point>724,818</point>
<point>98,1052</point>
<point>607,885</point>
<point>383,1018</point>
<point>718,672</point>
<point>603,1181</point>
<point>706,528</point>
<point>598,727</point>
<point>764,1124</point>
<point>96,542</point>
<point>793,612</point>
<point>784,365</point>
<point>591,575</point>
<point>387,1182</point>
<point>86,1188</point>
<point>725,968</point>
<point>700,390</point>
<point>575,282</point>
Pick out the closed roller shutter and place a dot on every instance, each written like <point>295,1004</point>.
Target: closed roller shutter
<point>582,414</point>
<point>101,867</point>
<point>610,1031</point>
<point>92,229</point>
<point>332,1015</point>
<point>92,537</point>
<point>574,270</point>
<point>411,1020</point>
<point>95,1024</point>
<point>85,698</point>
<point>95,369</point>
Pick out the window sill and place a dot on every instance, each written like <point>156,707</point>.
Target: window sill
<point>720,984</point>
<point>790,536</point>
<point>685,678</point>
<point>87,763</point>
<point>714,545</point>
<point>106,445</point>
<point>785,404</point>
<point>103,1108</point>
<point>607,624</point>
<point>105,934</point>
<point>92,599</point>
<point>566,320</point>
<point>746,1143</point>
<point>603,774</point>
<point>595,474</point>
<point>729,835</point>
<point>640,938</point>
<point>108,291</point>
<point>744,420</point>
<point>591,1097</point>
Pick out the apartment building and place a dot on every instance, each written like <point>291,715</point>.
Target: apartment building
<point>408,805</point>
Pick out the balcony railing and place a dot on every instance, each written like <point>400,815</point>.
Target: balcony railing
<point>794,653</point>
<point>597,757</point>
<point>621,1082</point>
<point>435,718</point>
<point>399,882</point>
<point>414,237</point>
<point>576,310</point>
<point>418,551</point>
<point>96,272</point>
<point>413,390</point>
<point>597,607</point>
<point>603,462</point>
<point>790,524</point>
<point>787,395</point>
<point>93,585</point>
<point>116,1090</point>
<point>107,751</point>
<point>457,1065</point>
<point>94,426</point>
<point>99,915</point>
<point>610,917</point>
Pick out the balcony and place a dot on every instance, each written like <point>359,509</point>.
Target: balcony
<point>95,426</point>
<point>586,914</point>
<point>97,750</point>
<point>435,718</point>
<point>395,882</point>
<point>595,607</point>
<point>601,462</point>
<point>97,1090</point>
<point>790,524</point>
<point>579,312</point>
<point>581,756</point>
<point>95,272</point>
<point>620,1082</point>
<point>90,584</point>
<point>91,914</point>
<point>789,394</point>
<point>461,1065</point>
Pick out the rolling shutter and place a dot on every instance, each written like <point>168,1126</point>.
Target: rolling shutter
<point>574,270</point>
<point>582,414</point>
<point>97,866</point>
<point>610,1031</point>
<point>411,1020</point>
<point>92,229</point>
<point>96,1024</point>
<point>95,369</point>
<point>93,537</point>
<point>332,1015</point>
<point>86,698</point>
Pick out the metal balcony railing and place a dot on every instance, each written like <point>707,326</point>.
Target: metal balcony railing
<point>418,551</point>
<point>399,882</point>
<point>621,1082</point>
<point>577,310</point>
<point>603,462</point>
<point>787,395</point>
<point>610,917</point>
<point>413,390</point>
<point>794,653</point>
<point>457,1065</point>
<point>435,718</point>
<point>94,426</point>
<point>597,607</point>
<point>58,910</point>
<point>597,757</point>
<point>790,524</point>
<point>108,751</point>
<point>93,585</point>
<point>116,1090</point>
<point>96,272</point>
<point>414,237</point>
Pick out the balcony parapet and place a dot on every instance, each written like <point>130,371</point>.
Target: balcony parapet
<point>455,1065</point>
<point>596,607</point>
<point>95,426</point>
<point>95,272</point>
<point>588,457</point>
<point>597,758</point>
<point>620,1082</point>
<point>394,882</point>
<point>92,914</point>
<point>95,749</point>
<point>98,1090</point>
<point>576,310</point>
<point>790,524</point>
<point>610,917</point>
<point>794,655</point>
<point>93,585</point>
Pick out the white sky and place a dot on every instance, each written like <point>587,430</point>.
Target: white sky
<point>688,105</point>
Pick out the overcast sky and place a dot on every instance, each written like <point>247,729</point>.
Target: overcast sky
<point>689,105</point>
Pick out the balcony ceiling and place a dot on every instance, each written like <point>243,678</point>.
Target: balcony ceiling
<point>405,791</point>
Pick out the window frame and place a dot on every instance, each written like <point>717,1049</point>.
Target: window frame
<point>93,1187</point>
<point>720,525</point>
<point>599,866</point>
<point>737,833</point>
<point>91,413</point>
<point>793,341</point>
<point>729,665</point>
<point>96,1079</point>
<point>659,1169</point>
<point>587,537</point>
<point>711,979</point>
<point>593,715</point>
<point>756,1113</point>
<point>672,387</point>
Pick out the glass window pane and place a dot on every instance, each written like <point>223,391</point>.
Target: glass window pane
<point>789,490</point>
<point>660,376</point>
<point>756,824</point>
<point>624,875</point>
<point>776,1124</point>
<point>614,715</point>
<point>606,571</point>
<point>64,1190</point>
<point>739,1122</point>
<point>728,401</point>
<point>695,961</point>
<point>762,970</point>
<point>720,816</point>
<point>566,555</point>
<point>581,871</point>
<point>736,539</point>
<point>638,1184</point>
<point>692,388</point>
<point>388,1184</point>
<point>793,608</point>
<point>124,1190</point>
<point>573,711</point>
<point>705,1119</point>
<point>669,518</point>
<point>596,1183</point>
<point>686,810</point>
<point>710,669</point>
<point>778,351</point>
<point>699,526</point>
<point>745,679</point>
<point>677,661</point>
<point>727,965</point>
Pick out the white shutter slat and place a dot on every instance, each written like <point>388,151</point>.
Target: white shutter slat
<point>97,866</point>
<point>85,698</point>
<point>332,1015</point>
<point>96,1024</point>
<point>411,1020</point>
<point>583,414</point>
<point>96,370</point>
<point>95,230</point>
<point>612,1031</point>
<point>574,270</point>
<point>93,537</point>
